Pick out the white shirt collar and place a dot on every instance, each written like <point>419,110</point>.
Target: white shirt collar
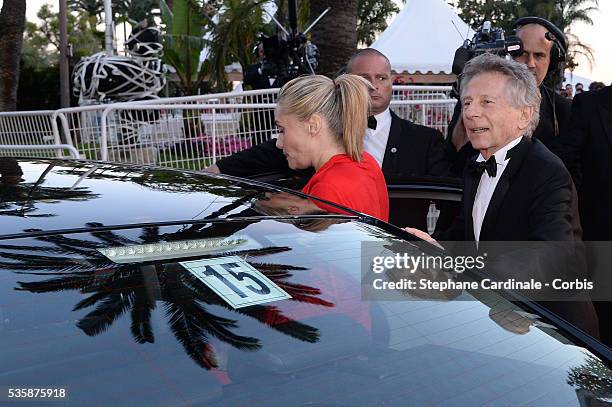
<point>383,116</point>
<point>500,155</point>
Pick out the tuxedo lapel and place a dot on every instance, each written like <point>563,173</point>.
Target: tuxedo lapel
<point>390,163</point>
<point>469,195</point>
<point>470,188</point>
<point>515,163</point>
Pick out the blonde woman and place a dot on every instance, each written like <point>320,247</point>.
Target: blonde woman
<point>322,123</point>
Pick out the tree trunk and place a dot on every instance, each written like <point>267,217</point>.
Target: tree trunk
<point>335,34</point>
<point>12,24</point>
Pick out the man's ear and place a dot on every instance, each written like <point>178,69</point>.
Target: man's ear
<point>315,123</point>
<point>525,117</point>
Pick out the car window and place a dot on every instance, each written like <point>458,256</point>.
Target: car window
<point>150,331</point>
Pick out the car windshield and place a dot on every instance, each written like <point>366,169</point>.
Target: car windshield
<point>131,317</point>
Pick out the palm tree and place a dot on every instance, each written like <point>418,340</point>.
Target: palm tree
<point>134,11</point>
<point>12,25</point>
<point>564,14</point>
<point>20,198</point>
<point>336,34</point>
<point>93,8</point>
<point>233,37</point>
<point>593,376</point>
<point>183,41</point>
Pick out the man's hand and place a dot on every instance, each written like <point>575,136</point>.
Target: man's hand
<point>459,137</point>
<point>424,235</point>
<point>213,169</point>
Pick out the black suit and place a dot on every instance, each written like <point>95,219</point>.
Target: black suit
<point>412,151</point>
<point>534,200</point>
<point>586,150</point>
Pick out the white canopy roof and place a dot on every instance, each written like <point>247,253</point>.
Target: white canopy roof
<point>423,38</point>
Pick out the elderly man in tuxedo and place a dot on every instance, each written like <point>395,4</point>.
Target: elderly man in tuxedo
<point>515,189</point>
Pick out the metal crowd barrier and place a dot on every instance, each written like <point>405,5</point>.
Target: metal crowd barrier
<point>186,132</point>
<point>32,134</point>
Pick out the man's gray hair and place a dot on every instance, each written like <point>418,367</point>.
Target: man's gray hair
<point>523,90</point>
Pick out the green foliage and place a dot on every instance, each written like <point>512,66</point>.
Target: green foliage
<point>233,37</point>
<point>592,376</point>
<point>183,41</point>
<point>135,11</point>
<point>231,26</point>
<point>92,8</point>
<point>563,13</point>
<point>372,18</point>
<point>38,87</point>
<point>303,15</point>
<point>501,13</point>
<point>41,40</point>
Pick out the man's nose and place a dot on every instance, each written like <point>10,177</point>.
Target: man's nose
<point>279,141</point>
<point>470,111</point>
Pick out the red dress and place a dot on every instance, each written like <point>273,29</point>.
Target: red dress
<point>357,185</point>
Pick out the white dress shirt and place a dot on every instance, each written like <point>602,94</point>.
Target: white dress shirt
<point>375,141</point>
<point>487,186</point>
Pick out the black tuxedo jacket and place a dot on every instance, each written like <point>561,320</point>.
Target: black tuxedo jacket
<point>533,200</point>
<point>412,151</point>
<point>586,149</point>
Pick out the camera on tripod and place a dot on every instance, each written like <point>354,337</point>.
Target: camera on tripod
<point>487,39</point>
<point>288,58</point>
<point>289,54</point>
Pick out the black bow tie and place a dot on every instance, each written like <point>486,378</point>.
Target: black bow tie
<point>372,122</point>
<point>478,167</point>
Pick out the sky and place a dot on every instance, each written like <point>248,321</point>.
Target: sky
<point>598,36</point>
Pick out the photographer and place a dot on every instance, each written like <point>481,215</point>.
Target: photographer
<point>544,50</point>
<point>254,77</point>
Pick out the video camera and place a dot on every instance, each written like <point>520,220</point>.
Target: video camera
<point>487,39</point>
<point>289,54</point>
<point>288,58</point>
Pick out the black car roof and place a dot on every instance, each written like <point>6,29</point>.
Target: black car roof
<point>67,311</point>
<point>96,194</point>
<point>151,333</point>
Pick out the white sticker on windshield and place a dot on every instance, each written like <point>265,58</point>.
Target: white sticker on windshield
<point>236,281</point>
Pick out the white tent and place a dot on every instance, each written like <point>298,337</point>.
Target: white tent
<point>423,37</point>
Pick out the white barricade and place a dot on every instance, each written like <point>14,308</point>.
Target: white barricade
<point>189,136</point>
<point>32,134</point>
<point>186,132</point>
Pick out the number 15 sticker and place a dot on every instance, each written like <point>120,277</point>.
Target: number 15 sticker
<point>236,281</point>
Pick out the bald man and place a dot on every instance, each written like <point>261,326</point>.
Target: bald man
<point>403,149</point>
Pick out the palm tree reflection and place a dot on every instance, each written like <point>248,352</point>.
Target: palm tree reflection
<point>115,289</point>
<point>592,381</point>
<point>18,198</point>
